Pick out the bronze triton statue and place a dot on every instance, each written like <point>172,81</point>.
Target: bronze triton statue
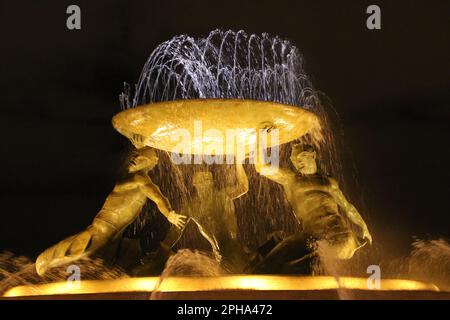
<point>121,207</point>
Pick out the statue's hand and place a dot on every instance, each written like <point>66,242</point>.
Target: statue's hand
<point>364,233</point>
<point>266,126</point>
<point>177,220</point>
<point>70,249</point>
<point>137,140</point>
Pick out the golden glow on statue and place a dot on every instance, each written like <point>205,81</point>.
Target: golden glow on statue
<point>318,203</point>
<point>121,207</point>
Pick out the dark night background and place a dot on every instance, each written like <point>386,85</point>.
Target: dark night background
<point>60,154</point>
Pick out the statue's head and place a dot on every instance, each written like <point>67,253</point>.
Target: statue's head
<point>143,159</point>
<point>303,157</point>
<point>203,181</point>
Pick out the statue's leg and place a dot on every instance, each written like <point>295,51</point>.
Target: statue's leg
<point>233,255</point>
<point>225,230</point>
<point>327,224</point>
<point>121,251</point>
<point>154,263</point>
<point>289,256</point>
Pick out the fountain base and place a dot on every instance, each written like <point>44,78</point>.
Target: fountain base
<point>235,287</point>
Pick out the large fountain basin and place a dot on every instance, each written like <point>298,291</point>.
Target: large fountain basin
<point>201,126</point>
<point>231,287</point>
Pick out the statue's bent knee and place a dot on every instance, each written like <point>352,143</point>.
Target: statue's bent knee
<point>335,235</point>
<point>344,247</point>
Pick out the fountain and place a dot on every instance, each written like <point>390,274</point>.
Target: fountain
<point>234,96</point>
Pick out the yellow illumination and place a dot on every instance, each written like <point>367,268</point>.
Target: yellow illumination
<point>206,123</point>
<point>235,282</point>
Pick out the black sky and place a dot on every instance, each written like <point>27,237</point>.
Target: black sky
<point>59,152</point>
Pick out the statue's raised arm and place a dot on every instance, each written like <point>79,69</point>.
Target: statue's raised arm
<point>349,210</point>
<point>270,171</point>
<point>274,173</point>
<point>241,186</point>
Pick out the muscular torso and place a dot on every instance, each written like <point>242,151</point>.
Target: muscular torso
<point>124,203</point>
<point>307,193</point>
<point>312,202</point>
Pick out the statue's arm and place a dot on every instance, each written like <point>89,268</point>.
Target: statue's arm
<point>348,209</point>
<point>274,173</point>
<point>152,191</point>
<point>241,187</point>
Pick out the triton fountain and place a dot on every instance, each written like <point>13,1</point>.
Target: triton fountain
<point>201,111</point>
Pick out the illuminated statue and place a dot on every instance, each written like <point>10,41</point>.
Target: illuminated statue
<point>214,213</point>
<point>121,207</point>
<point>318,203</point>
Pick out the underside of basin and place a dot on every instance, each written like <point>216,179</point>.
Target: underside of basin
<point>206,126</point>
